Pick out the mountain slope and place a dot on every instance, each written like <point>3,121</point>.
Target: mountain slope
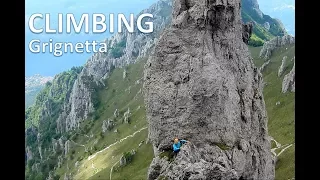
<point>122,94</point>
<point>280,107</point>
<point>265,27</point>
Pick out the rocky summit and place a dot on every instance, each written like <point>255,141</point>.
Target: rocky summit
<point>200,84</point>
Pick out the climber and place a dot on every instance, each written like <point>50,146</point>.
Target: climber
<point>177,144</point>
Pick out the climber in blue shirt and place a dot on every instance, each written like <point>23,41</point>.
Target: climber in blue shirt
<point>177,144</point>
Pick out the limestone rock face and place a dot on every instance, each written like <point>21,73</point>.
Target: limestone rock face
<point>270,46</point>
<point>246,32</point>
<point>264,66</point>
<point>288,83</point>
<point>201,85</point>
<point>126,116</point>
<point>283,66</point>
<point>107,125</point>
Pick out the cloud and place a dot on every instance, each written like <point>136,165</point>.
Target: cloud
<point>284,6</point>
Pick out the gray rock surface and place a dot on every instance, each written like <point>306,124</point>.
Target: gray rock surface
<point>264,66</point>
<point>288,83</point>
<point>201,85</point>
<point>116,113</point>
<point>270,46</point>
<point>126,116</point>
<point>107,125</point>
<point>246,32</point>
<point>67,147</point>
<point>29,153</point>
<point>60,161</point>
<point>124,74</point>
<point>123,161</point>
<point>283,66</point>
<point>266,25</point>
<point>40,152</point>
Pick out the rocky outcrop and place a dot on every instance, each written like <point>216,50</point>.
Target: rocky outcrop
<point>107,125</point>
<point>126,116</point>
<point>124,74</point>
<point>270,46</point>
<point>266,25</point>
<point>123,161</point>
<point>60,161</point>
<point>29,153</point>
<point>76,164</point>
<point>133,46</point>
<point>264,65</point>
<point>201,85</point>
<point>246,32</point>
<point>116,113</point>
<point>283,66</point>
<point>35,167</point>
<point>127,157</point>
<point>67,147</point>
<point>288,83</point>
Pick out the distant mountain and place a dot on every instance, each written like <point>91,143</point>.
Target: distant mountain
<point>265,28</point>
<point>281,9</point>
<point>33,85</point>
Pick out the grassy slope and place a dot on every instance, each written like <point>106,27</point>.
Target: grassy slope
<point>281,117</point>
<point>115,96</point>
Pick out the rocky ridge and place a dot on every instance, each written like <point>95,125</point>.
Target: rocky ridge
<point>276,42</point>
<point>133,46</point>
<point>201,85</point>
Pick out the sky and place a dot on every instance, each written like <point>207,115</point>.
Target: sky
<point>46,64</point>
<point>280,9</point>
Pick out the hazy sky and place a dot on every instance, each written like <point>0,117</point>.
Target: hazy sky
<point>48,65</point>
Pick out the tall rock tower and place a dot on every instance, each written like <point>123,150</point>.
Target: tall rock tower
<point>201,85</point>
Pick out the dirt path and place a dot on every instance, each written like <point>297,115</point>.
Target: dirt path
<point>279,146</point>
<point>112,169</point>
<point>119,141</point>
